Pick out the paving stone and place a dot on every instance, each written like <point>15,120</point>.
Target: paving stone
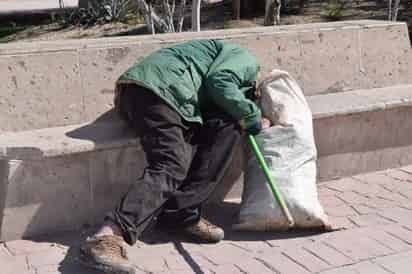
<point>407,169</point>
<point>344,184</point>
<point>306,259</point>
<point>156,264</point>
<point>252,266</point>
<point>252,246</point>
<point>190,247</point>
<point>289,242</point>
<point>381,203</point>
<point>44,258</point>
<point>179,262</point>
<point>328,254</point>
<point>370,220</point>
<point>392,196</point>
<point>368,189</point>
<point>226,269</point>
<point>399,215</point>
<point>341,222</point>
<point>325,191</point>
<point>386,239</point>
<point>23,247</point>
<point>202,262</point>
<point>351,197</point>
<point>49,269</point>
<point>281,264</point>
<point>14,265</point>
<point>399,232</point>
<point>399,174</point>
<point>397,263</point>
<point>362,209</point>
<point>365,267</point>
<point>204,271</point>
<point>331,201</point>
<point>153,250</point>
<point>357,246</point>
<point>396,185</point>
<point>152,258</point>
<point>340,211</point>
<point>407,193</point>
<point>225,254</point>
<point>373,178</point>
<point>4,253</point>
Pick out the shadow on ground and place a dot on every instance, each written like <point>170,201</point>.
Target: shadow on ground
<point>154,235</point>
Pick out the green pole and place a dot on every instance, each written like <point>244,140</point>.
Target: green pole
<point>271,182</point>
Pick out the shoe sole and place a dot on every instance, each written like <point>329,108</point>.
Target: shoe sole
<point>85,261</point>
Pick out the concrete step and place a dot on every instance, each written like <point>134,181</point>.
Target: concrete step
<point>61,178</point>
<point>361,131</point>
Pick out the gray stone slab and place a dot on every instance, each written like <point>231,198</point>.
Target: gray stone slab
<point>111,174</point>
<point>40,91</point>
<point>49,195</point>
<point>64,45</point>
<point>59,141</point>
<point>384,56</point>
<point>282,51</point>
<point>362,121</point>
<point>330,60</point>
<point>328,105</point>
<point>100,68</point>
<point>345,164</point>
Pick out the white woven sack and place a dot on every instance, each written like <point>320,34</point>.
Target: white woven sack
<point>290,152</point>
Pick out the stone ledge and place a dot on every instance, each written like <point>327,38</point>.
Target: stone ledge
<point>60,141</point>
<point>96,43</point>
<point>112,134</point>
<point>351,102</point>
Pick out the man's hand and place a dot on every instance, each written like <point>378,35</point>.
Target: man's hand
<point>266,123</point>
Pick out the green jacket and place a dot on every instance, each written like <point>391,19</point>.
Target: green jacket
<point>200,76</point>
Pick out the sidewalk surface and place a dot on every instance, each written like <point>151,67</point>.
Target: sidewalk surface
<point>375,209</point>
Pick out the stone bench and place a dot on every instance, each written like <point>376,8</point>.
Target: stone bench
<point>58,171</point>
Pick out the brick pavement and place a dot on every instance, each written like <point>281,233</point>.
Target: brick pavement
<point>374,209</point>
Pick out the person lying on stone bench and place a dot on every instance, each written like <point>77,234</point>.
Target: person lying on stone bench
<point>188,103</point>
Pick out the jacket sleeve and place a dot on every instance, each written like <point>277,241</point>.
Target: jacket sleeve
<point>223,88</point>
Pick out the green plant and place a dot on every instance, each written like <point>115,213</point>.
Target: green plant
<point>98,12</point>
<point>333,10</point>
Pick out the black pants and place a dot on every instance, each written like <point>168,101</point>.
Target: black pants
<point>185,163</point>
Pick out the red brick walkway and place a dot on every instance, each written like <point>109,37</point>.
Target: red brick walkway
<point>375,209</point>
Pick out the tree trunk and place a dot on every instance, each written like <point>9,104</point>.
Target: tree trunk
<point>152,20</point>
<point>272,12</point>
<point>395,10</point>
<point>196,15</point>
<point>181,16</point>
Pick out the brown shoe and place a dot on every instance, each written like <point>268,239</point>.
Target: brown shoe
<point>107,254</point>
<point>204,231</point>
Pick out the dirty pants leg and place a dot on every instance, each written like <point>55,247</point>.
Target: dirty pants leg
<point>176,172</point>
<point>216,142</point>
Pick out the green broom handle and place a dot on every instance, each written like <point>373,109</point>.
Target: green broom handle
<point>271,182</point>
